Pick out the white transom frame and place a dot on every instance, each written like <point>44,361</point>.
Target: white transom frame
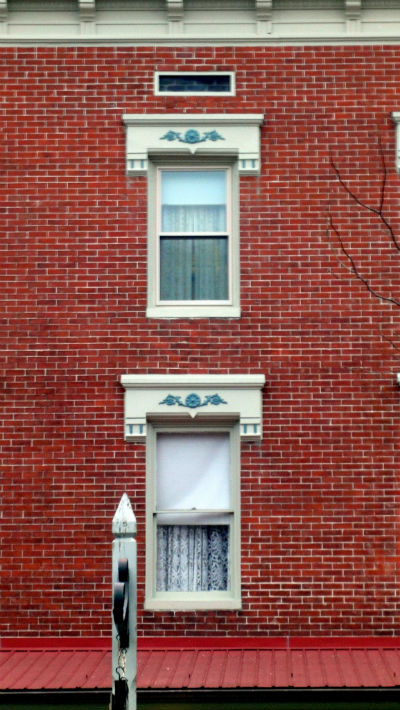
<point>207,92</point>
<point>189,134</point>
<point>192,398</point>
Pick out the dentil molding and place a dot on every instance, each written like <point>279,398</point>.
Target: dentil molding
<point>198,22</point>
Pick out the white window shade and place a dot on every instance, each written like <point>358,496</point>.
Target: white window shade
<point>193,201</point>
<point>188,187</point>
<point>193,472</point>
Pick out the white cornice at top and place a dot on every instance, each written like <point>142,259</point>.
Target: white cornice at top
<point>198,22</point>
<point>193,380</point>
<point>155,119</point>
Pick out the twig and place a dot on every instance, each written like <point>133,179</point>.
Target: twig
<point>378,211</point>
<point>353,267</point>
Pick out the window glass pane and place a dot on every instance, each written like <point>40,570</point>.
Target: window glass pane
<point>193,471</point>
<point>193,201</point>
<point>192,558</point>
<point>193,187</point>
<point>214,83</point>
<point>193,269</point>
<point>193,218</point>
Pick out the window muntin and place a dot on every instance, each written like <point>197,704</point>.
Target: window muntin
<point>194,240</point>
<point>193,519</point>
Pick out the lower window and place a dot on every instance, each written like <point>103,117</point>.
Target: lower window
<point>193,518</point>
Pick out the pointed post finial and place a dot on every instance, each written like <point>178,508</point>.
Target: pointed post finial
<point>124,521</point>
<point>124,616</point>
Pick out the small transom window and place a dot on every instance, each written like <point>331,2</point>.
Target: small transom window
<point>193,83</point>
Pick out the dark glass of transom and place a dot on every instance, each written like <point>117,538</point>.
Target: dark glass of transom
<point>194,238</point>
<point>194,83</point>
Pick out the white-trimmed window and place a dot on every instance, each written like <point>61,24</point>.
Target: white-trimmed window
<point>193,539</point>
<point>201,145</point>
<point>193,248</point>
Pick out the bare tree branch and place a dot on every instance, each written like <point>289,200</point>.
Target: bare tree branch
<point>383,186</point>
<point>378,211</point>
<point>390,341</point>
<point>353,267</point>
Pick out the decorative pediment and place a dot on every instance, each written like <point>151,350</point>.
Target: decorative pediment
<point>200,397</point>
<point>200,134</point>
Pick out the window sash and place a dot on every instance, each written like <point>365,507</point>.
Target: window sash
<point>205,267</point>
<point>194,269</point>
<point>228,517</point>
<point>193,473</point>
<point>198,517</point>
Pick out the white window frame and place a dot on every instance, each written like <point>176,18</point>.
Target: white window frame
<point>229,308</point>
<point>159,92</point>
<point>229,599</point>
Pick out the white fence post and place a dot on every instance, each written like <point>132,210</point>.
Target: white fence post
<point>124,602</point>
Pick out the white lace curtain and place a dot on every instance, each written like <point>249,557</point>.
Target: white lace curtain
<point>194,218</point>
<point>192,558</point>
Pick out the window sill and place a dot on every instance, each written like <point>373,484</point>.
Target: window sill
<point>188,604</point>
<point>193,311</point>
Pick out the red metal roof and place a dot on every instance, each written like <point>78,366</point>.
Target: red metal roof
<point>200,663</point>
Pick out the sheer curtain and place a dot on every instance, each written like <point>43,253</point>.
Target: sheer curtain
<point>192,558</point>
<point>193,487</point>
<point>194,218</point>
<point>193,267</point>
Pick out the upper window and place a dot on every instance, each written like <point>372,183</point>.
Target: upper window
<point>194,236</point>
<point>195,83</point>
<point>193,247</point>
<point>193,547</point>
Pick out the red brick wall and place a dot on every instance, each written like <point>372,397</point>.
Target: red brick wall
<point>320,501</point>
